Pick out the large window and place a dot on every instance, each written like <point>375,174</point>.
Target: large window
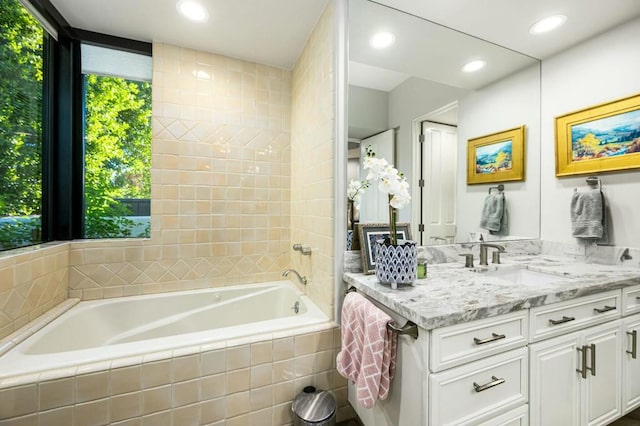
<point>117,143</point>
<point>21,99</point>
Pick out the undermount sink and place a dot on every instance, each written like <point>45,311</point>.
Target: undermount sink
<point>524,276</point>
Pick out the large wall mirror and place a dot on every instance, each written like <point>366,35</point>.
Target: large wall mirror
<point>416,86</point>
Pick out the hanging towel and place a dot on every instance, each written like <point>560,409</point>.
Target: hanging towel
<point>587,214</point>
<point>494,213</point>
<point>368,355</point>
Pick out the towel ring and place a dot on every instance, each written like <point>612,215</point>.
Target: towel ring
<point>499,188</point>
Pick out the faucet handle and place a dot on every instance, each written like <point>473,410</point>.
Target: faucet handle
<point>468,259</point>
<point>495,257</point>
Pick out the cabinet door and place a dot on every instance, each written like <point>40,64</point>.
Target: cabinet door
<point>554,398</point>
<point>602,396</point>
<point>631,364</point>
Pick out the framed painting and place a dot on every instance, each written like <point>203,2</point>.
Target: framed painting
<point>370,233</point>
<point>601,138</point>
<point>498,157</point>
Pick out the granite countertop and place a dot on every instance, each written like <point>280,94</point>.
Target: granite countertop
<point>454,294</point>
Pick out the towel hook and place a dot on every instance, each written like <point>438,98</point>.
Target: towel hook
<point>593,181</point>
<point>500,188</point>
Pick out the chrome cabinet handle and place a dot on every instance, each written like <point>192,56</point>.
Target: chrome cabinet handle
<point>583,352</point>
<point>562,321</point>
<point>592,347</point>
<point>605,309</point>
<point>634,343</point>
<point>496,381</point>
<point>493,338</point>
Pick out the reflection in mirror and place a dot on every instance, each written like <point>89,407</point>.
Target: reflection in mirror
<point>416,91</point>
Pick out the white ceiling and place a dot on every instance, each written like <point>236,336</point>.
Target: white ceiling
<point>271,32</point>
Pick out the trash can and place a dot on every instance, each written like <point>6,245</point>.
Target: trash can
<point>314,407</point>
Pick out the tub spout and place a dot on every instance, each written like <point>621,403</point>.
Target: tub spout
<point>303,280</point>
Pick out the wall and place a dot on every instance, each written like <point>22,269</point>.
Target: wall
<point>602,69</point>
<point>408,101</point>
<point>220,183</point>
<point>509,103</point>
<point>32,281</point>
<point>368,111</point>
<point>312,161</point>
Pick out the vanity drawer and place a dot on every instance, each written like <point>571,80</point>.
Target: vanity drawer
<point>461,343</point>
<point>631,300</point>
<point>560,318</point>
<point>479,391</point>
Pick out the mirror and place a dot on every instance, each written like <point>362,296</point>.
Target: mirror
<point>417,87</point>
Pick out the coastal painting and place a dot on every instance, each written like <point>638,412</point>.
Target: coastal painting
<point>600,138</point>
<point>606,137</point>
<point>498,157</point>
<point>494,158</point>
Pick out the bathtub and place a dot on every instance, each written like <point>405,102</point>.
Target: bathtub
<point>95,331</point>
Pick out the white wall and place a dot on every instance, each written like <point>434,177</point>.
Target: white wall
<point>368,111</point>
<point>602,69</point>
<point>410,100</point>
<point>507,104</point>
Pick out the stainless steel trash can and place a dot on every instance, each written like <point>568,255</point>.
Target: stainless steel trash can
<point>314,407</point>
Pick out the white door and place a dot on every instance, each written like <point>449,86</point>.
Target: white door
<point>439,178</point>
<point>602,400</point>
<point>374,206</point>
<point>554,399</point>
<point>631,364</point>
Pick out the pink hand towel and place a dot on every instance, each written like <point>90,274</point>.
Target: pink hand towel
<point>368,355</point>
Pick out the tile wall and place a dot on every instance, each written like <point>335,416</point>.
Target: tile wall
<point>32,281</point>
<point>312,160</point>
<point>220,183</point>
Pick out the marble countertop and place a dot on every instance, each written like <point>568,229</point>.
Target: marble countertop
<point>454,294</point>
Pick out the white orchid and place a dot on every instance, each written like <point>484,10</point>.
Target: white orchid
<point>391,182</point>
<point>355,190</point>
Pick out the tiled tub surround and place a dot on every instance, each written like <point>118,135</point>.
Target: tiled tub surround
<point>238,382</point>
<point>32,281</point>
<point>454,294</point>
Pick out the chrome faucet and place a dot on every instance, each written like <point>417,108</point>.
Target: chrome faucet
<point>483,253</point>
<point>303,280</point>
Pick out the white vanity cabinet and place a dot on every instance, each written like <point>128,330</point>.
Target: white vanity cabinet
<point>575,376</point>
<point>631,364</point>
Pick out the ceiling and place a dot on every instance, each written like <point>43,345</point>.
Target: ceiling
<point>271,32</point>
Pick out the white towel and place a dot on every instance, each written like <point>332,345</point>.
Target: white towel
<point>494,213</point>
<point>587,214</point>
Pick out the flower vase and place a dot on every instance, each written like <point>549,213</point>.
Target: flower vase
<point>396,264</point>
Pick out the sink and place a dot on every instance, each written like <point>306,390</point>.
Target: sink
<point>524,276</point>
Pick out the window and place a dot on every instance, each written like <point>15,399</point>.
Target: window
<point>22,42</point>
<point>117,143</point>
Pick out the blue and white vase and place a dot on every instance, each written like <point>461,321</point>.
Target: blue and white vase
<point>396,264</point>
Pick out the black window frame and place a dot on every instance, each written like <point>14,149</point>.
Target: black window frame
<point>62,215</point>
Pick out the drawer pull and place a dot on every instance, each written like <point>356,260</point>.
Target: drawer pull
<point>496,381</point>
<point>605,309</point>
<point>634,343</point>
<point>583,353</point>
<point>493,338</point>
<point>562,321</point>
<point>637,297</point>
<point>593,359</point>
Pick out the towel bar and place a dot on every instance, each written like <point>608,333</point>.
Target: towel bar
<point>409,328</point>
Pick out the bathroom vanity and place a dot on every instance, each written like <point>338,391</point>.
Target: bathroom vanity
<point>538,340</point>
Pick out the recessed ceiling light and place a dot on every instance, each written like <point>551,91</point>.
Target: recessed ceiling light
<point>192,10</point>
<point>382,40</point>
<point>547,24</point>
<point>474,65</point>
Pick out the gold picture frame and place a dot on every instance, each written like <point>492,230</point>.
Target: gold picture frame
<point>601,138</point>
<point>498,157</point>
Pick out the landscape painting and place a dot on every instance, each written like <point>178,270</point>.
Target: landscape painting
<point>606,137</point>
<point>498,157</point>
<point>601,138</point>
<point>494,158</point>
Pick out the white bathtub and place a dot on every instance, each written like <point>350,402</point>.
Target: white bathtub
<point>95,331</point>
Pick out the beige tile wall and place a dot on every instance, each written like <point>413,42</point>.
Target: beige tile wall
<point>220,182</point>
<point>248,384</point>
<point>32,281</point>
<point>312,160</point>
